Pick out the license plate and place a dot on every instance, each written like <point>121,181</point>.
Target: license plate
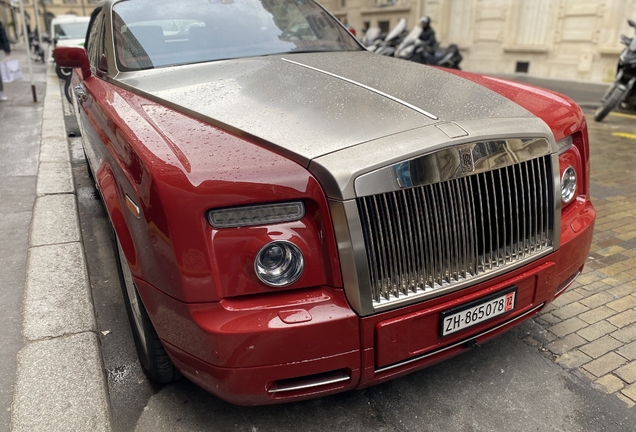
<point>476,312</point>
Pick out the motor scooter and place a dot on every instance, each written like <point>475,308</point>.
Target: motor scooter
<point>622,89</point>
<point>392,40</point>
<point>36,48</point>
<point>413,49</point>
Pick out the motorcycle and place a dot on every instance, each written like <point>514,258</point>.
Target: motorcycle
<point>371,38</point>
<point>392,40</point>
<point>36,48</point>
<point>413,49</point>
<point>622,89</point>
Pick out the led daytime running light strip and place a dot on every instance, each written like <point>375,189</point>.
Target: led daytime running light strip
<point>235,217</point>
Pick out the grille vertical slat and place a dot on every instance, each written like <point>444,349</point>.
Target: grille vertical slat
<point>465,235</point>
<point>385,282</point>
<point>546,173</point>
<point>392,260</point>
<point>401,237</point>
<point>472,227</point>
<point>432,236</point>
<point>439,263</point>
<point>452,233</point>
<point>412,280</point>
<point>510,218</point>
<point>533,215</point>
<point>542,204</point>
<point>489,235</point>
<point>494,204</point>
<point>376,279</point>
<point>523,211</point>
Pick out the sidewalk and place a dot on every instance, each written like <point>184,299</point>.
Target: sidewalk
<point>20,128</point>
<point>59,378</point>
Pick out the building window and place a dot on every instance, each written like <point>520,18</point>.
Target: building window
<point>384,3</point>
<point>522,67</point>
<point>70,2</point>
<point>384,26</point>
<point>460,22</point>
<point>534,22</point>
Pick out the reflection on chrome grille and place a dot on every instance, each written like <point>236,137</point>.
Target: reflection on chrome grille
<point>424,238</point>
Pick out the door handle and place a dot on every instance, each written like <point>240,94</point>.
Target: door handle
<point>80,94</point>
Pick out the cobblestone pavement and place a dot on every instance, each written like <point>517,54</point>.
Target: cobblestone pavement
<point>591,329</point>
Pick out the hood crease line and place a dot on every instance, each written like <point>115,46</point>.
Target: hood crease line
<point>393,98</point>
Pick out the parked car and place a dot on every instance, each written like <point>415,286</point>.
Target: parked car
<point>295,216</point>
<point>68,30</point>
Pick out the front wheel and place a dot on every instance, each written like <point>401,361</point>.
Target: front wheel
<point>152,355</point>
<point>612,98</point>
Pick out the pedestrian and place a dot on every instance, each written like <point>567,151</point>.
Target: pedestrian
<point>6,47</point>
<point>427,38</point>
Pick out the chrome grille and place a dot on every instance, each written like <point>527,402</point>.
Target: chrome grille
<point>429,237</point>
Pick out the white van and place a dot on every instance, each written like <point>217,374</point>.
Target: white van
<point>68,30</point>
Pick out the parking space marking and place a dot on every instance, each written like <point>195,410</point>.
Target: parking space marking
<point>631,116</point>
<point>624,134</point>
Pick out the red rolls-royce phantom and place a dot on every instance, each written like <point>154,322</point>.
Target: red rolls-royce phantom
<point>295,216</point>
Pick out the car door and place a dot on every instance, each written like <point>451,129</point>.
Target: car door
<point>89,96</point>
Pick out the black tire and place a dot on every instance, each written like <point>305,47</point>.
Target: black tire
<point>89,171</point>
<point>63,73</point>
<point>612,98</point>
<point>67,90</point>
<point>152,355</point>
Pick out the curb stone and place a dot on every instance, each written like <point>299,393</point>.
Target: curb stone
<point>60,380</point>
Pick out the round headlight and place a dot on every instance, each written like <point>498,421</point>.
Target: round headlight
<point>279,263</point>
<point>568,185</point>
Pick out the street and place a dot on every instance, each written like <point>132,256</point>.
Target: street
<point>512,383</point>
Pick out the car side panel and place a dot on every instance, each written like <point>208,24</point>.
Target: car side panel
<point>175,168</point>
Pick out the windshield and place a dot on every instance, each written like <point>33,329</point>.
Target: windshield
<point>153,33</point>
<point>70,30</point>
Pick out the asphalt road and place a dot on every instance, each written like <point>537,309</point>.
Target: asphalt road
<point>509,384</point>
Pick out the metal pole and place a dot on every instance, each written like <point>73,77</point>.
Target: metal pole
<point>26,43</point>
<point>37,22</point>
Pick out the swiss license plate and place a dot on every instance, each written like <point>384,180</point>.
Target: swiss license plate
<point>476,312</point>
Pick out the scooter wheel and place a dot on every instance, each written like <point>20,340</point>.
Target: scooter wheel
<point>63,73</point>
<point>67,90</point>
<point>613,97</point>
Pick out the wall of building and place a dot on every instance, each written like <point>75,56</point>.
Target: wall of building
<point>569,39</point>
<point>47,9</point>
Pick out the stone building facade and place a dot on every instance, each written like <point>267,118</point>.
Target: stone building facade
<point>47,10</point>
<point>568,39</point>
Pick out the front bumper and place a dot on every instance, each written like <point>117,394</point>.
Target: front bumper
<point>307,343</point>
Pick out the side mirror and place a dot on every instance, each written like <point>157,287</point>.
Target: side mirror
<point>631,23</point>
<point>73,57</point>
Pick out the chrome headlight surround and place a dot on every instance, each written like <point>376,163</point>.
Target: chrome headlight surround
<point>568,185</point>
<point>565,144</point>
<point>279,263</point>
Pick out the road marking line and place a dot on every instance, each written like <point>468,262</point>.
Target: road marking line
<point>623,115</point>
<point>624,134</point>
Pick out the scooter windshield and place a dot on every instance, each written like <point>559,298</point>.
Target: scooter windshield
<point>154,33</point>
<point>397,30</point>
